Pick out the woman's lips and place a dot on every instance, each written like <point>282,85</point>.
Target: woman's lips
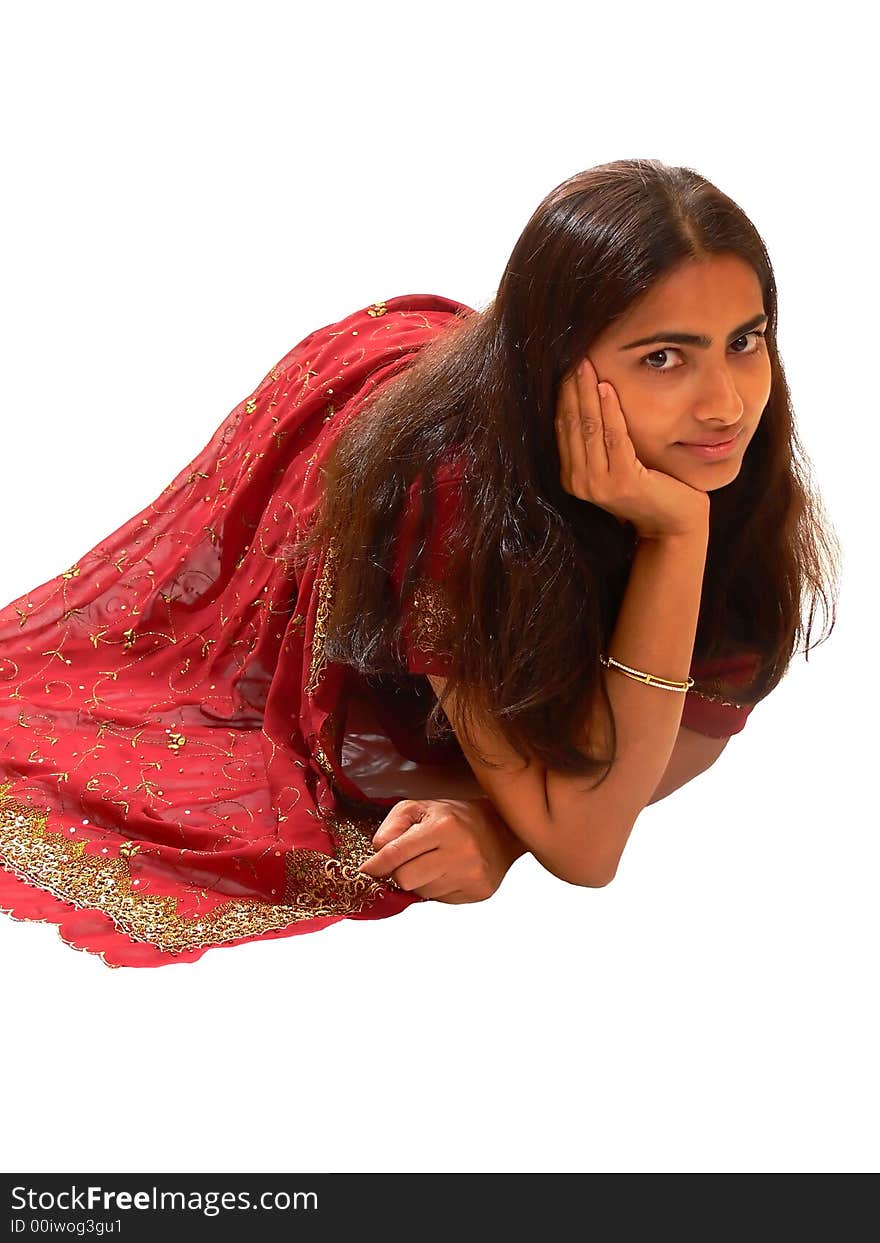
<point>712,451</point>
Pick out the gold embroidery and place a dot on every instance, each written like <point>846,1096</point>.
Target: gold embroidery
<point>325,599</point>
<point>315,884</point>
<point>352,844</point>
<point>431,615</point>
<point>322,762</point>
<point>309,464</point>
<point>377,309</point>
<point>352,838</point>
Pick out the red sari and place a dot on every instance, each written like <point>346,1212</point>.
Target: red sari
<point>171,731</point>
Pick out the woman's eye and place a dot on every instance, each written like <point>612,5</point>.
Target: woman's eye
<point>671,350</point>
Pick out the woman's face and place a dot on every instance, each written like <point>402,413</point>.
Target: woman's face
<point>674,392</point>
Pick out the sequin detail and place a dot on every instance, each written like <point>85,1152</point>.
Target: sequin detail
<point>718,699</point>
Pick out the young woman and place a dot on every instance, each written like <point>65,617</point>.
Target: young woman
<point>447,587</point>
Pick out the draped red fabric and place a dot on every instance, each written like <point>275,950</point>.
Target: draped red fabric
<point>168,720</point>
<point>170,725</point>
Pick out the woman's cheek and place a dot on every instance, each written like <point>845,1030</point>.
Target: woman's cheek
<point>646,418</point>
<point>646,442</point>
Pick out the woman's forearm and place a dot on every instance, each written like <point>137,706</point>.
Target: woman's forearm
<point>511,845</point>
<point>655,631</point>
<point>576,829</point>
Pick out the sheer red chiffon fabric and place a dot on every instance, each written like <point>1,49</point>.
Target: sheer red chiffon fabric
<point>169,726</point>
<point>171,729</point>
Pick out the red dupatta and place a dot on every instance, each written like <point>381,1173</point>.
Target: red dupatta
<point>166,711</point>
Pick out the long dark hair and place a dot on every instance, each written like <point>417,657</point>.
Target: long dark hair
<point>537,576</point>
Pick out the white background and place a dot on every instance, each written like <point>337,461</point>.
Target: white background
<point>189,189</point>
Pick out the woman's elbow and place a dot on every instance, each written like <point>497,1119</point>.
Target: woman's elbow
<point>597,877</point>
<point>598,866</point>
<point>588,874</point>
<point>590,862</point>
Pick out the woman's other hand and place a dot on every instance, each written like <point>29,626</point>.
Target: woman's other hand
<point>451,850</point>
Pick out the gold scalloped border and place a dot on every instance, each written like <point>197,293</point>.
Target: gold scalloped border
<point>315,885</point>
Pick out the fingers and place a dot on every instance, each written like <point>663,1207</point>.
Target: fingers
<point>393,856</point>
<point>596,452</point>
<point>425,876</point>
<point>592,411</point>
<point>579,426</point>
<point>402,816</point>
<point>413,864</point>
<point>402,836</point>
<point>566,417</point>
<point>619,448</point>
<point>427,850</point>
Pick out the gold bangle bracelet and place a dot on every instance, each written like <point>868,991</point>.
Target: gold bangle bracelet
<point>650,679</point>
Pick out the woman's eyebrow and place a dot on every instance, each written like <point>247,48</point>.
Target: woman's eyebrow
<point>689,338</point>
